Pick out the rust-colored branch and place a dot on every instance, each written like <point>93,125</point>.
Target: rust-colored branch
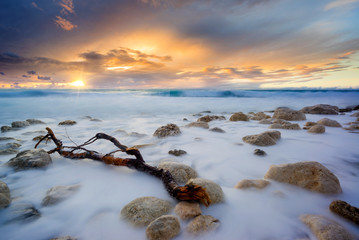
<point>182,193</point>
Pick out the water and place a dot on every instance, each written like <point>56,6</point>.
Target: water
<point>93,212</point>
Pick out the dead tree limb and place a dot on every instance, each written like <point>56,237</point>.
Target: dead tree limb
<point>187,192</point>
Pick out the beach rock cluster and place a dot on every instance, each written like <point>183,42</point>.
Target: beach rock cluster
<point>21,124</point>
<point>166,131</point>
<point>267,138</point>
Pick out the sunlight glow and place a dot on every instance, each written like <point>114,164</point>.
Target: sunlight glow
<point>78,83</point>
<point>119,68</point>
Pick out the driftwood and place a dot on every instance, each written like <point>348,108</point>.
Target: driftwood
<point>188,192</point>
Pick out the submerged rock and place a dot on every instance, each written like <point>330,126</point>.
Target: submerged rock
<point>163,228</point>
<point>321,109</point>
<point>20,124</point>
<point>355,114</point>
<point>67,123</point>
<point>326,229</point>
<point>263,139</point>
<point>247,183</point>
<point>142,211</point>
<point>168,130</point>
<point>288,114</point>
<point>34,121</point>
<point>239,116</point>
<point>345,210</point>
<point>259,116</point>
<point>209,118</point>
<point>217,129</point>
<point>265,121</point>
<point>288,126</point>
<point>34,158</point>
<point>177,152</point>
<point>7,139</point>
<point>214,191</point>
<point>5,198</point>
<point>23,213</point>
<point>317,129</point>
<point>58,194</point>
<point>188,210</point>
<point>329,122</point>
<point>309,175</point>
<point>6,128</point>
<point>8,151</point>
<point>179,171</point>
<point>202,224</point>
<point>259,152</point>
<point>198,124</point>
<point>308,125</point>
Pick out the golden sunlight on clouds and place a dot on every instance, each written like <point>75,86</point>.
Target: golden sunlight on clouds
<point>77,83</point>
<point>119,68</point>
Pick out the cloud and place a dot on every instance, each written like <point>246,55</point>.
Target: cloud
<point>339,3</point>
<point>26,76</point>
<point>345,55</point>
<point>43,78</point>
<point>2,73</point>
<point>36,6</point>
<point>64,24</point>
<point>67,7</point>
<point>32,72</point>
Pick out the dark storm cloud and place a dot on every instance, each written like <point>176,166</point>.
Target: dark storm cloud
<point>43,78</point>
<point>32,72</point>
<point>2,73</point>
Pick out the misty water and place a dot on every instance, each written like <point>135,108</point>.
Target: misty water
<point>93,212</point>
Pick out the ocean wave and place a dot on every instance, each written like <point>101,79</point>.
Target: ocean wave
<point>201,93</point>
<point>29,93</point>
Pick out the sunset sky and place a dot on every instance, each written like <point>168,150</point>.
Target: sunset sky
<point>135,44</point>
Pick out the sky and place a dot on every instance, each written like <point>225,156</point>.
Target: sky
<point>151,44</point>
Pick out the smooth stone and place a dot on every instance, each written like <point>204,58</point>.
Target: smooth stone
<point>317,129</point>
<point>143,210</point>
<point>58,194</point>
<point>217,129</point>
<point>259,152</point>
<point>177,152</point>
<point>7,138</point>
<point>5,198</point>
<point>321,109</point>
<point>247,183</point>
<point>355,114</point>
<point>239,116</point>
<point>8,151</point>
<point>20,124</point>
<point>67,123</point>
<point>168,130</point>
<point>329,122</point>
<point>179,171</point>
<point>23,213</point>
<point>288,126</point>
<point>202,224</point>
<point>263,139</point>
<point>259,116</point>
<point>38,138</point>
<point>34,158</point>
<point>198,124</point>
<point>309,175</point>
<point>34,121</point>
<point>187,210</point>
<point>136,134</point>
<point>163,228</point>
<point>6,128</point>
<point>209,118</point>
<point>345,210</point>
<point>13,145</point>
<point>308,125</point>
<point>214,191</point>
<point>288,114</point>
<point>265,121</point>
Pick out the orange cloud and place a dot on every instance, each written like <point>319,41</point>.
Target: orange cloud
<point>64,24</point>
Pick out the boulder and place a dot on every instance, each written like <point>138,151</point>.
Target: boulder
<point>309,175</point>
<point>163,228</point>
<point>34,158</point>
<point>326,229</point>
<point>6,128</point>
<point>288,126</point>
<point>355,114</point>
<point>179,171</point>
<point>177,152</point>
<point>265,121</point>
<point>34,121</point>
<point>5,198</point>
<point>288,114</point>
<point>317,129</point>
<point>217,129</point>
<point>23,212</point>
<point>7,139</point>
<point>168,130</point>
<point>345,210</point>
<point>259,116</point>
<point>321,109</point>
<point>20,124</point>
<point>209,118</point>
<point>198,124</point>
<point>188,210</point>
<point>259,152</point>
<point>247,183</point>
<point>202,224</point>
<point>239,116</point>
<point>263,139</point>
<point>13,145</point>
<point>308,125</point>
<point>329,122</point>
<point>214,191</point>
<point>8,151</point>
<point>142,211</point>
<point>58,194</point>
<point>67,123</point>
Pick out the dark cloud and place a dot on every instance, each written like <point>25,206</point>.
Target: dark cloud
<point>43,78</point>
<point>26,76</point>
<point>2,73</point>
<point>32,72</point>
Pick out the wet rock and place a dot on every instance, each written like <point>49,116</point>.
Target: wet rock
<point>8,151</point>
<point>217,129</point>
<point>6,128</point>
<point>67,123</point>
<point>38,138</point>
<point>5,198</point>
<point>23,213</point>
<point>207,111</point>
<point>263,139</point>
<point>259,116</point>
<point>309,175</point>
<point>265,121</point>
<point>7,139</point>
<point>177,152</point>
<point>329,122</point>
<point>202,224</point>
<point>345,210</point>
<point>34,121</point>
<point>317,129</point>
<point>288,114</point>
<point>247,183</point>
<point>198,124</point>
<point>326,229</point>
<point>259,152</point>
<point>239,116</point>
<point>58,194</point>
<point>355,114</point>
<point>214,191</point>
<point>95,120</point>
<point>347,109</point>
<point>168,130</point>
<point>34,158</point>
<point>13,145</point>
<point>136,134</point>
<point>185,119</point>
<point>179,171</point>
<point>188,210</point>
<point>209,118</point>
<point>142,211</point>
<point>34,132</point>
<point>64,238</point>
<point>288,126</point>
<point>20,124</point>
<point>321,109</point>
<point>308,125</point>
<point>163,228</point>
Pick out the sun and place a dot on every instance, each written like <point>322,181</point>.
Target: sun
<point>77,83</point>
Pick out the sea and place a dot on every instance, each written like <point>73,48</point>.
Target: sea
<point>132,116</point>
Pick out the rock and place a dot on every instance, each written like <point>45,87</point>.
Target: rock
<point>13,145</point>
<point>34,158</point>
<point>247,183</point>
<point>259,152</point>
<point>136,134</point>
<point>188,210</point>
<point>58,194</point>
<point>355,114</point>
<point>185,119</point>
<point>38,138</point>
<point>326,229</point>
<point>142,211</point>
<point>239,116</point>
<point>8,151</point>
<point>163,228</point>
<point>345,210</point>
<point>288,114</point>
<point>356,107</point>
<point>265,121</point>
<point>5,198</point>
<point>6,128</point>
<point>263,139</point>
<point>95,120</point>
<point>288,126</point>
<point>64,238</point>
<point>179,171</point>
<point>309,175</point>
<point>198,124</point>
<point>23,213</point>
<point>317,129</point>
<point>321,109</point>
<point>168,130</point>
<point>329,123</point>
<point>308,125</point>
<point>280,121</point>
<point>202,224</point>
<point>7,139</point>
<point>208,118</point>
<point>34,132</point>
<point>347,109</point>
<point>259,116</point>
<point>177,152</point>
<point>214,191</point>
<point>67,123</point>
<point>20,124</point>
<point>34,121</point>
<point>217,129</point>
<point>207,111</point>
